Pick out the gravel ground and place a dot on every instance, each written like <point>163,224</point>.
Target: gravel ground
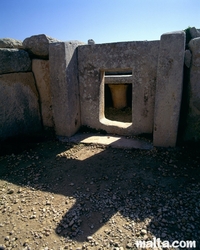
<point>73,196</point>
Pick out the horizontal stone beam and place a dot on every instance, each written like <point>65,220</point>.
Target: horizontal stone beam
<point>122,79</point>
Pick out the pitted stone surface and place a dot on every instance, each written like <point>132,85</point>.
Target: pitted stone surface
<point>138,57</point>
<point>38,45</point>
<point>14,60</point>
<point>194,32</point>
<point>10,43</point>
<point>169,89</point>
<point>193,120</point>
<point>188,58</point>
<point>41,73</point>
<point>64,87</point>
<point>21,114</point>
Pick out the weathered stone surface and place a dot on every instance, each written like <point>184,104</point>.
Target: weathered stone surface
<point>138,57</point>
<point>40,70</point>
<point>194,32</point>
<point>14,60</point>
<point>10,43</point>
<point>169,89</point>
<point>64,86</point>
<point>38,45</point>
<point>19,109</point>
<point>188,58</point>
<point>193,119</point>
<point>91,42</point>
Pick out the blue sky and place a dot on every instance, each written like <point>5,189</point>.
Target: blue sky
<point>102,20</point>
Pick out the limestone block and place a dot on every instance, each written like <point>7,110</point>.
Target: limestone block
<point>64,86</point>
<point>14,60</point>
<point>188,58</point>
<point>139,58</point>
<point>38,45</point>
<point>19,109</point>
<point>40,70</point>
<point>169,89</point>
<point>194,32</point>
<point>193,119</point>
<point>10,43</point>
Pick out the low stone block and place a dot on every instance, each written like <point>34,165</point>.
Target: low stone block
<point>64,86</point>
<point>38,45</point>
<point>14,60</point>
<point>19,109</point>
<point>40,70</point>
<point>169,89</point>
<point>10,43</point>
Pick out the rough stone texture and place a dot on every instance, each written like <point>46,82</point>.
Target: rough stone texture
<point>64,86</point>
<point>19,109</point>
<point>91,42</point>
<point>188,58</point>
<point>10,43</point>
<point>38,45</point>
<point>40,70</point>
<point>118,79</point>
<point>14,60</point>
<point>169,89</point>
<point>193,120</point>
<point>138,57</point>
<point>194,32</point>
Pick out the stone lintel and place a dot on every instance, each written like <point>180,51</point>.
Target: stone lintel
<point>118,79</point>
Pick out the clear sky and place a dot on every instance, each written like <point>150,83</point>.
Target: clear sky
<point>101,20</point>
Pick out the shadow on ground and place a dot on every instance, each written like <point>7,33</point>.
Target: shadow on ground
<point>161,185</point>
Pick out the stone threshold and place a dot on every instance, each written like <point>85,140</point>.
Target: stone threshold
<point>108,140</point>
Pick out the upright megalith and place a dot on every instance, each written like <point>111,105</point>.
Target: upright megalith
<point>64,87</point>
<point>19,108</point>
<point>14,60</point>
<point>40,70</point>
<point>169,88</point>
<point>192,132</point>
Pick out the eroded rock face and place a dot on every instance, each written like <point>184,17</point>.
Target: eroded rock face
<point>19,107</point>
<point>169,87</point>
<point>64,87</point>
<point>10,43</point>
<point>14,60</point>
<point>40,70</point>
<point>194,32</point>
<point>193,119</point>
<point>38,45</point>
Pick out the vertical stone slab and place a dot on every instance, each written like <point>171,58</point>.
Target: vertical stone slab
<point>19,107</point>
<point>40,70</point>
<point>169,89</point>
<point>192,132</point>
<point>139,57</point>
<point>64,87</point>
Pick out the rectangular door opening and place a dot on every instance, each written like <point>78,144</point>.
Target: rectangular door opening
<point>118,96</point>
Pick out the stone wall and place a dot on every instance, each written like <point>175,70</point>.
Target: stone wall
<point>25,94</point>
<point>46,83</point>
<point>138,57</point>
